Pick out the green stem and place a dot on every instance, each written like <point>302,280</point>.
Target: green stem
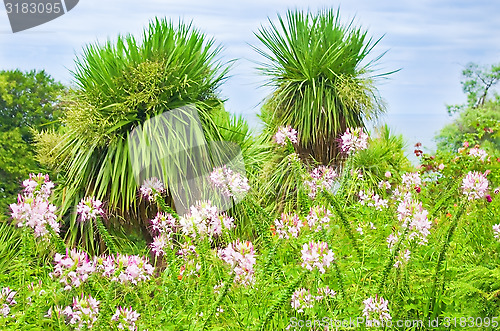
<point>347,226</point>
<point>285,295</point>
<point>105,236</point>
<point>444,249</point>
<point>339,278</point>
<point>163,206</point>
<point>390,261</point>
<point>58,242</point>
<point>222,294</point>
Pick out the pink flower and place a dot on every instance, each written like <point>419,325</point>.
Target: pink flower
<point>288,224</point>
<point>441,166</point>
<point>126,318</point>
<point>316,255</point>
<point>478,153</point>
<point>152,188</point>
<point>411,179</point>
<point>89,208</point>
<point>391,240</point>
<point>124,268</point>
<point>73,269</point>
<point>353,140</point>
<point>388,174</point>
<point>319,179</point>
<point>318,218</point>
<point>376,311</point>
<point>204,220</point>
<point>402,258</point>
<point>285,133</point>
<point>241,257</point>
<point>475,185</point>
<point>231,183</point>
<point>302,299</point>
<point>6,300</point>
<point>83,313</point>
<point>33,208</point>
<point>496,231</point>
<point>163,223</point>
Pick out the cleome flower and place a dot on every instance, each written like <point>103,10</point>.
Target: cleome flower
<point>6,300</point>
<point>288,224</point>
<point>204,220</point>
<point>496,231</point>
<point>284,134</point>
<point>302,299</point>
<point>125,318</point>
<point>73,269</point>
<point>33,208</point>
<point>232,184</point>
<point>83,313</point>
<point>319,179</point>
<point>151,188</point>
<point>316,255</point>
<point>353,140</point>
<point>318,218</point>
<point>89,208</point>
<point>241,257</point>
<point>475,185</point>
<point>376,311</point>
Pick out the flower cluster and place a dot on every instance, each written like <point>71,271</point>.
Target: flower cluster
<point>124,268</point>
<point>318,218</point>
<point>232,184</point>
<point>372,200</point>
<point>496,231</point>
<point>413,215</point>
<point>7,300</point>
<point>205,220</point>
<point>302,298</point>
<point>73,269</point>
<point>411,180</point>
<point>319,179</point>
<point>478,153</point>
<point>475,185</point>
<point>189,255</point>
<point>33,208</point>
<point>151,188</point>
<point>354,140</point>
<point>288,224</point>
<point>125,318</point>
<point>241,257</point>
<point>402,258</point>
<point>285,133</point>
<point>316,255</point>
<point>163,225</point>
<point>376,311</point>
<point>89,208</point>
<point>83,313</point>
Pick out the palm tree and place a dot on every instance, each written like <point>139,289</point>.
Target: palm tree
<point>121,88</point>
<point>323,81</point>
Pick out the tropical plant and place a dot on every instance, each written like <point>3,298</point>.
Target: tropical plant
<point>133,85</point>
<point>323,79</point>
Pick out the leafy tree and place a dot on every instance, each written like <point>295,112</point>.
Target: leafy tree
<point>477,82</point>
<point>478,121</point>
<point>323,79</point>
<point>28,101</point>
<point>120,86</point>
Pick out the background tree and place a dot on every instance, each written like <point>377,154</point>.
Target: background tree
<point>28,102</point>
<point>322,76</point>
<point>478,120</point>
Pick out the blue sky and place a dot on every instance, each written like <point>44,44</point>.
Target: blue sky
<point>429,40</point>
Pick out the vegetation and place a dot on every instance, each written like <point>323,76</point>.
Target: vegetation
<point>166,213</point>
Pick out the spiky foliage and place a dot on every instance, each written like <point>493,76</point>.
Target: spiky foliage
<point>121,86</point>
<point>322,78</point>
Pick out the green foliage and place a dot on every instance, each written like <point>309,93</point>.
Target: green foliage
<point>480,125</point>
<point>323,79</point>
<point>28,102</point>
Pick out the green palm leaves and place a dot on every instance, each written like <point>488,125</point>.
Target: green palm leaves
<point>322,77</point>
<point>120,87</point>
